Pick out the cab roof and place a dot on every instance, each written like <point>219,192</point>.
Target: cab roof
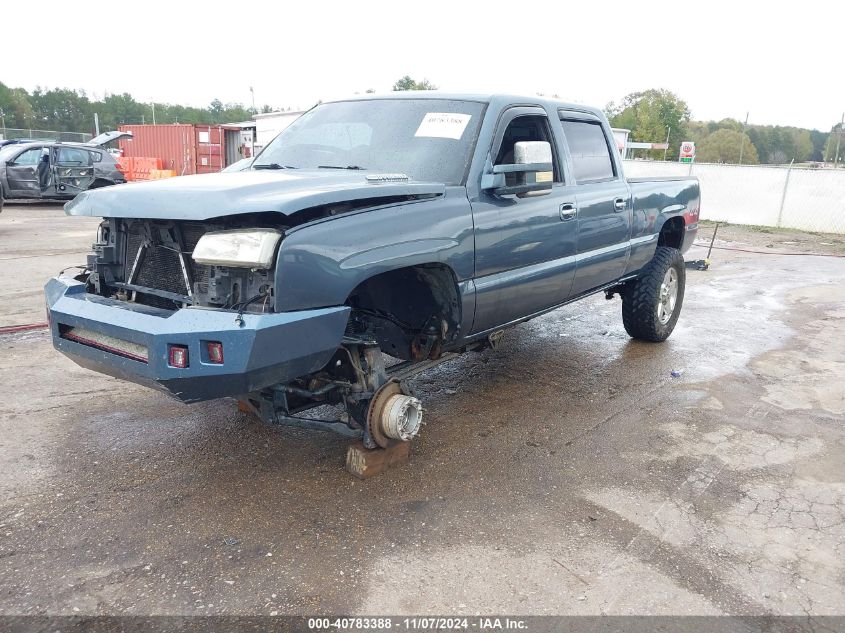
<point>495,99</point>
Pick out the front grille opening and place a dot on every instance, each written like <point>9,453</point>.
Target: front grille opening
<point>105,343</point>
<point>156,302</point>
<point>160,268</point>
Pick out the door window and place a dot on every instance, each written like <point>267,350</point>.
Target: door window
<point>591,160</point>
<point>29,157</point>
<point>525,128</point>
<point>73,156</point>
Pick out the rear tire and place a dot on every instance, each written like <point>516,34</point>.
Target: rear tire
<point>651,303</point>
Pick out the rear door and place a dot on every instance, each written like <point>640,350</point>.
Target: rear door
<point>22,174</point>
<point>603,199</point>
<point>73,169</point>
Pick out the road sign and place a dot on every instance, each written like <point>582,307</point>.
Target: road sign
<point>687,153</point>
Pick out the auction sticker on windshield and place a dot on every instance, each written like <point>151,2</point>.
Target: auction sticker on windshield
<point>443,125</point>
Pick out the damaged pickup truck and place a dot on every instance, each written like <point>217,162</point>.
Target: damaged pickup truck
<point>414,226</point>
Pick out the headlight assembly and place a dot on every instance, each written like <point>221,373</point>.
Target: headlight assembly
<point>239,248</point>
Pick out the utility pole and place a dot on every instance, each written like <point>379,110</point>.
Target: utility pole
<point>96,124</point>
<point>154,112</point>
<point>252,92</point>
<point>742,138</point>
<point>839,140</point>
<point>668,132</point>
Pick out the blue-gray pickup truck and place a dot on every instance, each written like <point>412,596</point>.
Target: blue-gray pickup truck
<point>414,226</point>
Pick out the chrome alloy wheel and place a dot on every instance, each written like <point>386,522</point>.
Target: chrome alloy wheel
<point>668,296</point>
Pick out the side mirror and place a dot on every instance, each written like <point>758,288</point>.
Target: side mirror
<point>531,173</point>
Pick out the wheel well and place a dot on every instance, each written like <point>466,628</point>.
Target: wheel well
<point>672,233</point>
<point>410,311</point>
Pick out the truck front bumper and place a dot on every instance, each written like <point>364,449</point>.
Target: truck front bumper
<point>133,342</point>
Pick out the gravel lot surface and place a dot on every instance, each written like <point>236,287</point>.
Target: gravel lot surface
<point>567,472</point>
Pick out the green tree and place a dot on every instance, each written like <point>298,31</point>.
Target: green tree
<point>650,115</point>
<point>774,144</point>
<point>216,108</point>
<point>723,146</point>
<point>782,146</point>
<point>72,110</point>
<point>62,109</point>
<point>16,107</point>
<point>697,131</point>
<point>8,116</point>
<point>406,83</point>
<point>729,124</point>
<point>122,109</point>
<point>818,139</point>
<point>837,135</point>
<point>761,139</point>
<point>802,142</point>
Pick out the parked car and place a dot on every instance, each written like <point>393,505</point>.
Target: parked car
<point>418,226</point>
<point>56,171</point>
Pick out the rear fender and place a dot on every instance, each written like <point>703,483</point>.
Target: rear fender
<point>652,210</point>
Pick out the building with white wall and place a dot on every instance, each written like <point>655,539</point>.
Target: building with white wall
<point>268,126</point>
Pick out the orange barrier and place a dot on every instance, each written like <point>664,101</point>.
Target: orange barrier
<point>141,167</point>
<point>123,164</point>
<point>158,174</point>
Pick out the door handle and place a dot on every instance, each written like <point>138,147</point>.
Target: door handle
<point>619,204</point>
<point>568,210</point>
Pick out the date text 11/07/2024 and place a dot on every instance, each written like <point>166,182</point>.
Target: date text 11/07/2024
<point>419,624</point>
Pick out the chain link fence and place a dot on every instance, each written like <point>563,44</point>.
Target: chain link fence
<point>780,197</point>
<point>12,133</point>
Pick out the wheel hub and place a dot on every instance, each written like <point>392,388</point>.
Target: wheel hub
<point>393,416</point>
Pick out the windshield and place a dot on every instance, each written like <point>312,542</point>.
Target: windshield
<point>425,139</point>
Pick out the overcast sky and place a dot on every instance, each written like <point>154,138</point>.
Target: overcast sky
<point>778,61</point>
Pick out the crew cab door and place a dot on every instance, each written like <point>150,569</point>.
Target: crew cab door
<point>22,174</point>
<point>524,246</point>
<point>604,202</point>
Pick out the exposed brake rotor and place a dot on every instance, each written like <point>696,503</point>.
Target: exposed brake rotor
<point>393,416</point>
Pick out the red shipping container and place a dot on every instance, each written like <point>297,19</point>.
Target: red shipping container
<point>183,148</point>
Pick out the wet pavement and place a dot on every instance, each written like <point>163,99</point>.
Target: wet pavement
<point>566,472</point>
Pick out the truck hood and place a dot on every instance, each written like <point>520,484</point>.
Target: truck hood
<point>224,194</point>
